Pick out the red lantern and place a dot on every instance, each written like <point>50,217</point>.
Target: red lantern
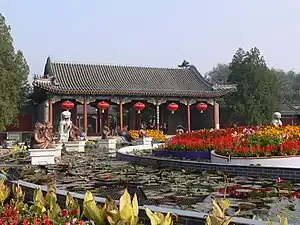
<point>139,106</point>
<point>102,106</point>
<point>67,105</point>
<point>201,107</point>
<point>173,107</point>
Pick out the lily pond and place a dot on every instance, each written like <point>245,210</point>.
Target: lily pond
<point>191,190</point>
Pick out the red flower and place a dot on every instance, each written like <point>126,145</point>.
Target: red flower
<point>9,216</point>
<point>25,222</point>
<point>74,212</point>
<point>235,142</point>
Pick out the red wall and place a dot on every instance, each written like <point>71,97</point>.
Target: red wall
<point>25,124</point>
<point>288,121</point>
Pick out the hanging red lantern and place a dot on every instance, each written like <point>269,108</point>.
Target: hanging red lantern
<point>67,105</point>
<point>201,107</point>
<point>102,106</point>
<point>173,107</point>
<point>139,106</point>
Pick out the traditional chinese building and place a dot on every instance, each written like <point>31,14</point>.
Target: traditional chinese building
<point>290,114</point>
<point>122,87</point>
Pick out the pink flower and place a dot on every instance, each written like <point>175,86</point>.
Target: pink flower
<point>279,180</point>
<point>64,213</point>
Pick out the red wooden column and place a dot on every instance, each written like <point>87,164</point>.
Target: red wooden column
<point>121,115</point>
<point>188,116</point>
<point>85,117</point>
<point>216,115</point>
<point>50,111</point>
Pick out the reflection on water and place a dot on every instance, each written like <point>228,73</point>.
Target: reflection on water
<point>259,198</point>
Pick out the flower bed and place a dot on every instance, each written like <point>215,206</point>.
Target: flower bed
<point>264,141</point>
<point>156,135</point>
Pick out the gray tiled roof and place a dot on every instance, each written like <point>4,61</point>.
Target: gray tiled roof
<point>68,78</point>
<point>287,107</point>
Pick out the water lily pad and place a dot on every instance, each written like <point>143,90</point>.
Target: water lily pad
<point>246,205</point>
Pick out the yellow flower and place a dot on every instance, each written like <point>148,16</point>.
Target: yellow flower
<point>291,131</point>
<point>156,135</point>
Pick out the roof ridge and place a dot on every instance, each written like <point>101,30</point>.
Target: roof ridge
<point>290,105</point>
<point>115,65</point>
<point>201,78</point>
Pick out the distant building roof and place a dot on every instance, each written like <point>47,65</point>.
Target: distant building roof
<point>70,78</point>
<point>288,108</point>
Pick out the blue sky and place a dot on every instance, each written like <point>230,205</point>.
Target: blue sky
<point>158,33</point>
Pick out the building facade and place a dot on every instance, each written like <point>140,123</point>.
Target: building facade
<point>123,86</point>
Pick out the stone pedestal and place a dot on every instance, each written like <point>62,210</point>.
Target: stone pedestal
<point>144,141</point>
<point>58,147</point>
<point>112,152</point>
<point>75,146</point>
<point>42,156</point>
<point>107,143</point>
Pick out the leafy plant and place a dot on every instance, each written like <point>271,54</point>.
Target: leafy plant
<point>282,221</point>
<point>157,218</point>
<point>90,144</point>
<point>46,211</point>
<point>91,210</point>
<point>4,192</point>
<point>218,216</point>
<point>15,148</point>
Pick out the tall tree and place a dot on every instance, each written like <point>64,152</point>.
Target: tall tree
<point>219,74</point>
<point>257,95</point>
<point>13,77</point>
<point>287,83</point>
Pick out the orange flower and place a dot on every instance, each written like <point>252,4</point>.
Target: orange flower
<point>156,135</point>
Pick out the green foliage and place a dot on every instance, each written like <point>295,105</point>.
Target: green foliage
<point>13,77</point>
<point>219,74</point>
<point>257,95</point>
<point>263,140</point>
<point>289,83</point>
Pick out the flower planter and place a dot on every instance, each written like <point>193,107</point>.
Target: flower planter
<point>183,154</point>
<point>274,161</point>
<point>42,156</point>
<point>58,147</point>
<point>75,146</point>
